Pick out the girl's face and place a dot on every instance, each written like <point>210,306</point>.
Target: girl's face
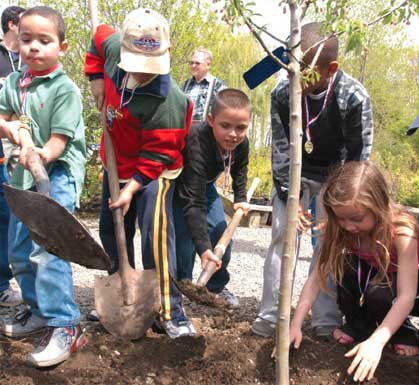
<point>354,219</point>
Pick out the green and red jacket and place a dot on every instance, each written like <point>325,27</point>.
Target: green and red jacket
<point>148,133</point>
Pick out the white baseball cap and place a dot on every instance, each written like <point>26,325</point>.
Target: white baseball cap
<point>145,42</point>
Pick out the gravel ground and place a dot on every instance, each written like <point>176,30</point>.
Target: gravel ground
<point>246,267</point>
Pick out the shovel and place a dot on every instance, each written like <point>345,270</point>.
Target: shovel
<point>198,292</point>
<point>127,301</point>
<point>51,225</point>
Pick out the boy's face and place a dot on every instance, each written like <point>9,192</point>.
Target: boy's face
<point>229,127</point>
<point>39,45</point>
<point>325,71</point>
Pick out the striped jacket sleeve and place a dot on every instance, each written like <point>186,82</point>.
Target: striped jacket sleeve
<point>280,142</point>
<point>357,131</point>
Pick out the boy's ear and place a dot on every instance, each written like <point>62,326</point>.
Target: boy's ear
<point>63,47</point>
<point>333,67</point>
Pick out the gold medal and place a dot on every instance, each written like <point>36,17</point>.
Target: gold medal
<point>24,119</point>
<point>361,300</point>
<point>118,114</point>
<point>308,147</point>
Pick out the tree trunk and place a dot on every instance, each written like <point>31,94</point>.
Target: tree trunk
<point>288,257</point>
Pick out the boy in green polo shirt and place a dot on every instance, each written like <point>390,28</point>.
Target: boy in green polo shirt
<point>50,110</point>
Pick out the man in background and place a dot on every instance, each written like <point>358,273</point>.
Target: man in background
<point>202,87</point>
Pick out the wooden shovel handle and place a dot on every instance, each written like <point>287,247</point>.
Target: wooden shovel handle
<point>37,169</point>
<point>211,267</point>
<point>117,216</point>
<point>34,162</point>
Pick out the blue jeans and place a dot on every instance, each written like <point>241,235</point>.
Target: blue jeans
<point>5,272</point>
<point>185,248</point>
<point>45,280</point>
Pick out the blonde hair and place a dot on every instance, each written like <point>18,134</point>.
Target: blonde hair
<point>364,185</point>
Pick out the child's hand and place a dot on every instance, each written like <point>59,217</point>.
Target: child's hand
<point>123,202</point>
<point>367,357</point>
<point>242,205</point>
<point>305,220</point>
<point>10,130</point>
<point>44,154</point>
<point>273,353</point>
<point>208,256</point>
<point>97,86</point>
<point>23,155</point>
<point>296,336</point>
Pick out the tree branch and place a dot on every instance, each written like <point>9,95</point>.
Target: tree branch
<point>259,39</point>
<point>375,21</point>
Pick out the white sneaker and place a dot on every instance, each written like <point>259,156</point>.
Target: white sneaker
<point>10,297</point>
<point>178,328</point>
<point>24,324</point>
<point>56,346</point>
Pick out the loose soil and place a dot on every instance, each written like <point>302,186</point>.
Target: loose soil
<point>224,352</point>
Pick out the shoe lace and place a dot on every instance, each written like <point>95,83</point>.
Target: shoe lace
<point>44,341</point>
<point>23,316</point>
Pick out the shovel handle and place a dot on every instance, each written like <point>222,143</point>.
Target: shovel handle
<point>34,162</point>
<point>39,174</point>
<point>117,216</point>
<point>211,267</point>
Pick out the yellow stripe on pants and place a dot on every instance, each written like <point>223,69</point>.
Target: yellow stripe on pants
<point>161,202</point>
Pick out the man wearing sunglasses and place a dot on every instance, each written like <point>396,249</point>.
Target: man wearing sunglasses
<point>202,87</point>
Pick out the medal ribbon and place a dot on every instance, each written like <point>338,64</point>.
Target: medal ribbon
<point>359,271</point>
<point>227,167</point>
<point>122,104</point>
<point>312,120</point>
<point>23,84</point>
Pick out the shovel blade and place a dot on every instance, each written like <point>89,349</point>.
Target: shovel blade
<point>56,229</point>
<point>122,320</point>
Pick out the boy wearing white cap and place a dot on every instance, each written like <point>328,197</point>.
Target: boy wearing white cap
<point>147,117</point>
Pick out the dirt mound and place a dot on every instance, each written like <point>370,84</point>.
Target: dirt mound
<point>224,352</point>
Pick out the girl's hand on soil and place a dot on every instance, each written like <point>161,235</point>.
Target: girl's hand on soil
<point>296,335</point>
<point>242,205</point>
<point>125,196</point>
<point>367,357</point>
<point>208,256</point>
